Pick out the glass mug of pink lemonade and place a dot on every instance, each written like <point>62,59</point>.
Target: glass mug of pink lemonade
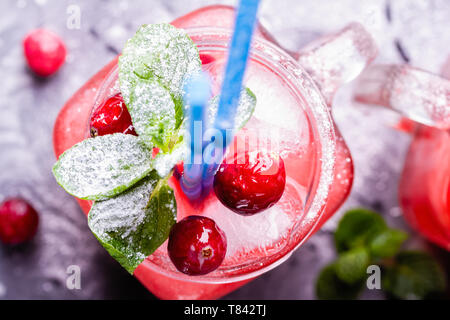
<point>424,190</point>
<point>291,114</point>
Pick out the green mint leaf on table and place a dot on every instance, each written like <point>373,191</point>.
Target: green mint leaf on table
<point>134,224</point>
<point>387,243</point>
<point>351,266</point>
<point>330,287</point>
<point>102,167</point>
<point>362,238</point>
<point>245,109</point>
<point>356,229</point>
<point>414,275</point>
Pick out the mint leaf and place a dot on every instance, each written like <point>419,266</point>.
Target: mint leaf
<point>179,112</point>
<point>356,228</point>
<point>387,243</point>
<point>351,266</point>
<point>134,224</point>
<point>152,112</point>
<point>245,109</point>
<point>152,69</point>
<point>102,167</point>
<point>161,52</point>
<point>330,287</point>
<point>414,275</point>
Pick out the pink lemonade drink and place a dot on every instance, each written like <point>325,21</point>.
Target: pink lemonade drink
<point>427,208</point>
<point>428,164</point>
<point>424,190</point>
<point>291,119</point>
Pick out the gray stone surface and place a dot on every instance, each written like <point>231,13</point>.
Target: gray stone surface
<point>28,108</point>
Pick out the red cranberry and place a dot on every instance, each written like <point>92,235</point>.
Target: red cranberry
<point>155,152</point>
<point>178,170</point>
<point>197,245</point>
<point>251,182</point>
<point>111,116</point>
<point>44,51</point>
<point>206,58</point>
<point>18,221</point>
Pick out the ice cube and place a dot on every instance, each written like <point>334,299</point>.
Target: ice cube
<point>417,94</point>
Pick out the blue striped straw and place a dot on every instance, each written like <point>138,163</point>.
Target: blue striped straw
<point>197,93</point>
<point>231,86</point>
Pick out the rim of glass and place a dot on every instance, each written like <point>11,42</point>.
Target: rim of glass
<point>318,113</point>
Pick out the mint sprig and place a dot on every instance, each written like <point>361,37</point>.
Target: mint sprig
<point>362,238</point>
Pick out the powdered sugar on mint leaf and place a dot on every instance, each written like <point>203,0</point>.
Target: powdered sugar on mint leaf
<point>152,69</point>
<point>161,52</point>
<point>153,112</point>
<point>102,167</point>
<point>134,224</point>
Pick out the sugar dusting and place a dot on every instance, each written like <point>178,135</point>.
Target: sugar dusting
<point>98,168</point>
<point>161,51</point>
<point>121,216</point>
<point>122,213</point>
<point>151,109</point>
<point>164,163</point>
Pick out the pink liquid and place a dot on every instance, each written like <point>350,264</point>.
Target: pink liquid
<point>425,185</point>
<point>253,242</point>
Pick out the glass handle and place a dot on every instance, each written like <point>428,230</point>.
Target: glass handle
<point>416,94</point>
<point>338,58</point>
